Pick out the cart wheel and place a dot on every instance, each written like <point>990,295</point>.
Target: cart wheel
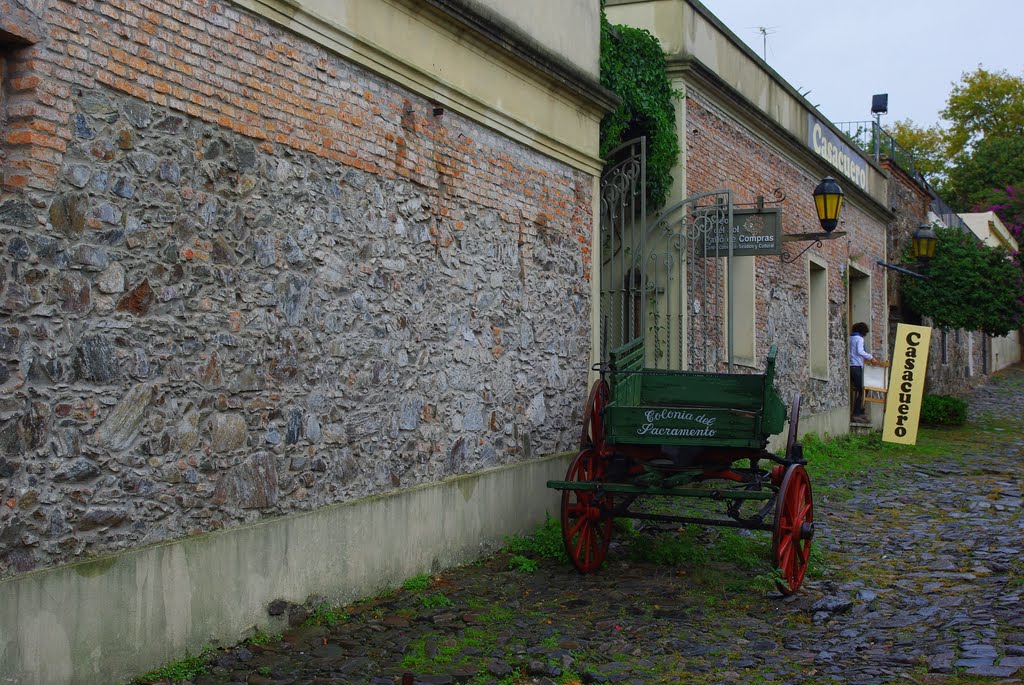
<point>794,426</point>
<point>593,412</point>
<point>586,515</point>
<point>793,530</point>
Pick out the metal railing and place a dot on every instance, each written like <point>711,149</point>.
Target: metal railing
<point>873,139</point>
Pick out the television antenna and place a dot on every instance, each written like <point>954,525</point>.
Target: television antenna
<point>765,31</point>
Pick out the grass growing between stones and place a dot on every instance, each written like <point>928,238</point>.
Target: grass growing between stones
<point>428,655</point>
<point>185,668</point>
<point>260,637</point>
<point>417,583</point>
<point>841,463</point>
<point>545,542</point>
<point>326,615</point>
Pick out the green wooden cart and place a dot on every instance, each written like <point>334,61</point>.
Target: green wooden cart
<point>684,434</point>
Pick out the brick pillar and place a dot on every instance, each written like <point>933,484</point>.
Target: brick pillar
<point>28,144</point>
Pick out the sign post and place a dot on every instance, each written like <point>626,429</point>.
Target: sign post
<point>906,384</point>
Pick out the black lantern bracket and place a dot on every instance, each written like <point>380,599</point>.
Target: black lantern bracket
<point>828,201</point>
<point>924,240</point>
<point>813,239</point>
<point>903,270</point>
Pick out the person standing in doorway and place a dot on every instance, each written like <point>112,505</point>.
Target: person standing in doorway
<point>858,356</point>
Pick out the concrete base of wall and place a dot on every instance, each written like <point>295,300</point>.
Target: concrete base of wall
<point>107,620</point>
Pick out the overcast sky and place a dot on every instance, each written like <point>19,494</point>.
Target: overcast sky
<point>914,50</point>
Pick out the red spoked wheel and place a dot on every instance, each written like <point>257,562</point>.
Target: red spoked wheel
<point>794,426</point>
<point>586,514</point>
<point>793,529</point>
<point>592,434</point>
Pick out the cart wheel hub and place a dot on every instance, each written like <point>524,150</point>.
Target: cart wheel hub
<point>806,531</point>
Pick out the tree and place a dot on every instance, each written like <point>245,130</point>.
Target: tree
<point>926,144</point>
<point>971,286</point>
<point>979,179</point>
<point>985,104</point>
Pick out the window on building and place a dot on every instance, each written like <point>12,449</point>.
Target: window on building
<point>817,320</point>
<point>859,296</point>
<point>945,347</point>
<point>744,313</point>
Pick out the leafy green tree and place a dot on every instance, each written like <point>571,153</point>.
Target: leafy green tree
<point>984,104</point>
<point>978,179</point>
<point>971,286</point>
<point>633,67</point>
<point>926,143</point>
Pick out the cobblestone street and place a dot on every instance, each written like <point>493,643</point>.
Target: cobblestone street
<point>922,583</point>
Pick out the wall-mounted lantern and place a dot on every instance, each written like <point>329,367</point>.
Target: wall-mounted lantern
<point>828,200</point>
<point>923,246</point>
<point>924,243</point>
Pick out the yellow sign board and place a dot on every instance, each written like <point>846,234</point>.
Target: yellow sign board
<point>906,384</point>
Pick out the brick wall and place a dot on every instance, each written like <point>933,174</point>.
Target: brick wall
<point>722,153</point>
<point>242,277</point>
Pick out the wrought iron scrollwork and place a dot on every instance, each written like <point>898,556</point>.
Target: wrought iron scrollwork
<point>788,259</point>
<point>778,196</point>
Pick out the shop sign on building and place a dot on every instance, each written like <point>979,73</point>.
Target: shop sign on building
<point>754,232</point>
<point>836,152</point>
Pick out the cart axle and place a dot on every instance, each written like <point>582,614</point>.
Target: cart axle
<point>626,489</point>
<point>746,524</point>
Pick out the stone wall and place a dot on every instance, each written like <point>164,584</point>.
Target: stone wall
<point>722,153</point>
<point>305,286</point>
<point>950,372</point>
<point>960,368</point>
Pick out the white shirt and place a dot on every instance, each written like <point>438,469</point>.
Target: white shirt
<point>857,352</point>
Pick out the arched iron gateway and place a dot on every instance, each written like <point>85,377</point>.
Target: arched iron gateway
<point>664,279</point>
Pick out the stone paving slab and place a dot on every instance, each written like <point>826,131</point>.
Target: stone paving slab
<point>925,586</point>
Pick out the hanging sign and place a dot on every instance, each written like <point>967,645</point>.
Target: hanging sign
<point>906,384</point>
<point>754,232</point>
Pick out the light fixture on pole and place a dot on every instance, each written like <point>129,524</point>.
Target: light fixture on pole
<point>879,106</point>
<point>828,200</point>
<point>923,243</point>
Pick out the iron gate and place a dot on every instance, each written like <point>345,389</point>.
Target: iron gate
<point>664,280</point>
